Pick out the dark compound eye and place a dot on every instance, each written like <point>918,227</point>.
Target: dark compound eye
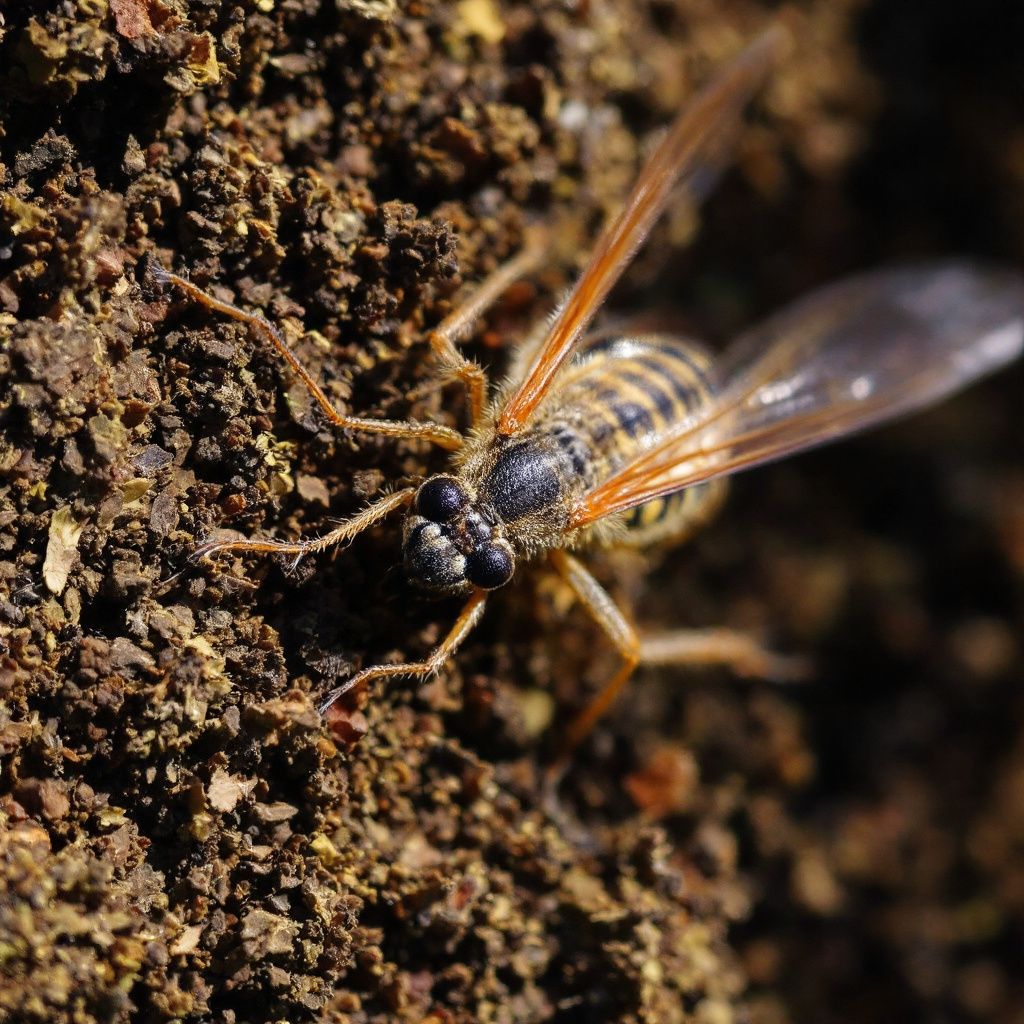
<point>490,566</point>
<point>440,498</point>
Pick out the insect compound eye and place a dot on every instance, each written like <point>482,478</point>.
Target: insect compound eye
<point>489,566</point>
<point>440,499</point>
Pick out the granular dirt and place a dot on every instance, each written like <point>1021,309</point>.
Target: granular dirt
<point>182,838</point>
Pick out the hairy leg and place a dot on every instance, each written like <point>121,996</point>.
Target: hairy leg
<point>464,624</point>
<point>435,433</point>
<point>737,651</point>
<point>454,328</point>
<point>342,532</point>
<point>606,614</point>
<point>729,648</point>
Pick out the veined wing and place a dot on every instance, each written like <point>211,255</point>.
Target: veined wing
<point>848,356</point>
<point>698,139</point>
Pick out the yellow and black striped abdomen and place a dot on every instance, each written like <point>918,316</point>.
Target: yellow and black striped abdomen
<point>634,390</point>
<point>623,396</point>
<point>618,399</point>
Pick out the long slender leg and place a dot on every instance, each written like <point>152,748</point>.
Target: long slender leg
<point>341,533</point>
<point>468,618</point>
<point>705,647</point>
<point>604,612</point>
<point>730,648</point>
<point>453,329</point>
<point>436,433</point>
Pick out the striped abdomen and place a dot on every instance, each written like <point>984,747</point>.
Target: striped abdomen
<point>613,403</point>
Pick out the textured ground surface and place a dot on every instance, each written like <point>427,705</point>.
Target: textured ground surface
<point>181,838</point>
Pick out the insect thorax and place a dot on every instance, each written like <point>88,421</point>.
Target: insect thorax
<point>512,496</point>
<point>619,397</point>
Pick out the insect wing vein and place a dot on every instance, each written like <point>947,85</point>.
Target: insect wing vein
<point>697,142</point>
<point>849,356</point>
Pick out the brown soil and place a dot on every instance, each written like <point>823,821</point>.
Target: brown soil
<point>181,836</point>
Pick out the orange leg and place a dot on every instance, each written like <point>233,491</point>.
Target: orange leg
<point>730,648</point>
<point>452,363</point>
<point>444,338</point>
<point>704,647</point>
<point>343,532</point>
<point>435,433</point>
<point>434,662</point>
<point>604,612</point>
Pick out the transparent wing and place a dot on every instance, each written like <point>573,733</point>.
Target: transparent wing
<point>851,355</point>
<point>696,144</point>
